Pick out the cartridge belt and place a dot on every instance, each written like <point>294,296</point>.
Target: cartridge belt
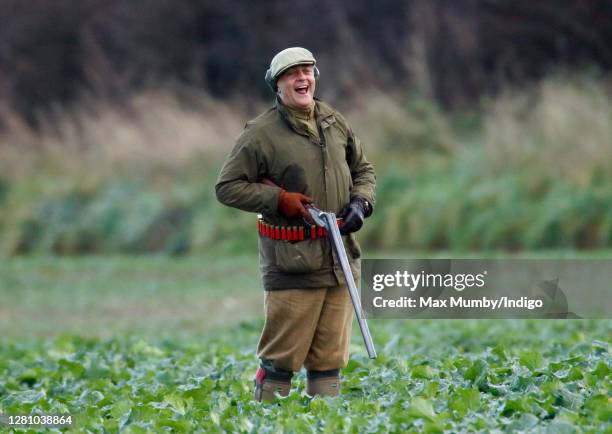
<point>292,233</point>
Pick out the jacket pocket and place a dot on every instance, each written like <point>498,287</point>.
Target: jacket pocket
<point>301,257</point>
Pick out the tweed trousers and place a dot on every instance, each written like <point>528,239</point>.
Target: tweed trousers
<point>307,327</point>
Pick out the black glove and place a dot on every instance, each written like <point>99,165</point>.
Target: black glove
<point>353,214</point>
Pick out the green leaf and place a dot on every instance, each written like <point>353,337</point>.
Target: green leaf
<point>518,404</point>
<point>575,374</point>
<point>121,411</point>
<point>477,373</point>
<point>421,408</point>
<point>602,370</point>
<point>531,360</point>
<point>145,349</point>
<point>600,407</point>
<point>464,400</point>
<point>433,427</point>
<point>214,417</point>
<point>177,403</point>
<point>75,368</point>
<point>500,351</point>
<point>423,371</point>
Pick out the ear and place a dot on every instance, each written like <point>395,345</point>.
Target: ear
<point>316,72</point>
<point>269,80</point>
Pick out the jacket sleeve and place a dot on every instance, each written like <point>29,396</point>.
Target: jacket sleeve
<point>238,186</point>
<point>362,171</point>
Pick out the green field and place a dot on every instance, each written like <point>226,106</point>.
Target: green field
<point>152,344</point>
<point>105,295</point>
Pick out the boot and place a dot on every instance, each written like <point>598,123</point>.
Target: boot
<point>267,386</point>
<point>323,383</point>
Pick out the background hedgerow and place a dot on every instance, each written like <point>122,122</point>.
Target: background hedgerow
<point>531,169</point>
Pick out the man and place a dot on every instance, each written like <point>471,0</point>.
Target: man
<point>309,152</point>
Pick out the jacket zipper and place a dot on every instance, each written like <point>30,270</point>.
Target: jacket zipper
<point>323,147</point>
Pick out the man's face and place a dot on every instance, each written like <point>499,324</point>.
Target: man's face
<point>296,86</point>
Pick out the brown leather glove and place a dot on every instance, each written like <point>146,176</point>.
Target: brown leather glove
<point>292,205</point>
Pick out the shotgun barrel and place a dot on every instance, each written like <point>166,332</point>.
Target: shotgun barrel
<point>328,221</point>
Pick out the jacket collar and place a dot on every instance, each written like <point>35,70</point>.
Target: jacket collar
<point>324,115</point>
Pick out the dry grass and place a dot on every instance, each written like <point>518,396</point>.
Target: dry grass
<point>561,128</point>
<point>159,127</point>
<point>400,124</point>
<point>154,127</point>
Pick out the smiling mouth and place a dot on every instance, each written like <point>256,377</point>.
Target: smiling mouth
<point>302,89</point>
